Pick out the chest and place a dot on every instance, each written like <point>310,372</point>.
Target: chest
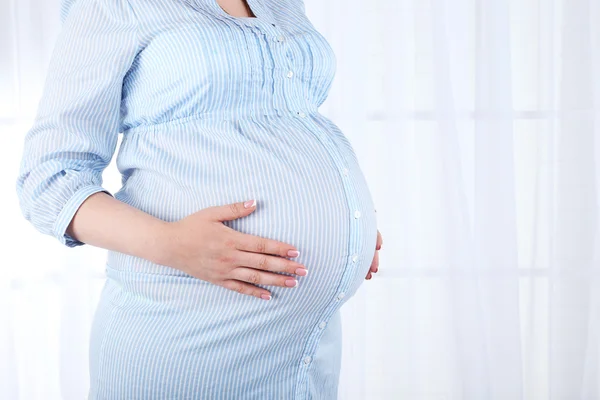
<point>200,42</point>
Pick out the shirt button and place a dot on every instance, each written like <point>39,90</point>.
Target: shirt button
<point>301,114</point>
<point>307,360</point>
<point>356,214</point>
<point>345,170</point>
<point>322,324</point>
<point>340,296</point>
<point>290,74</point>
<point>280,38</point>
<point>354,258</point>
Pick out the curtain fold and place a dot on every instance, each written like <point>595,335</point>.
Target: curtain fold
<point>477,125</point>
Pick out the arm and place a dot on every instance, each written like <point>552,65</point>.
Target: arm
<point>75,134</point>
<point>106,222</point>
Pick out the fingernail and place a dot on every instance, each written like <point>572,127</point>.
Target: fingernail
<point>301,271</point>
<point>291,282</point>
<point>378,247</point>
<point>250,203</point>
<point>265,296</point>
<point>293,253</point>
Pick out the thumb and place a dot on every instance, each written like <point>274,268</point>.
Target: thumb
<point>232,211</point>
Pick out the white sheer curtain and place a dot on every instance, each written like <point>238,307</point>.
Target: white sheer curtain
<point>477,124</point>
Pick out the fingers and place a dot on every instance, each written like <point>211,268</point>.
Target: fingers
<point>257,277</point>
<point>243,279</point>
<point>257,244</point>
<point>270,263</point>
<point>375,263</point>
<point>231,211</point>
<point>246,288</point>
<point>246,242</point>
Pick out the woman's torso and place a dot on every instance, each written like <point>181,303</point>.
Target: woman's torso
<point>212,116</point>
<point>216,110</point>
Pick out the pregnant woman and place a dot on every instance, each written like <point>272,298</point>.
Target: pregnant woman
<point>234,189</point>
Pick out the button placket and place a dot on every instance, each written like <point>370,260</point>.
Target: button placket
<point>347,281</point>
<point>279,51</point>
<point>280,85</point>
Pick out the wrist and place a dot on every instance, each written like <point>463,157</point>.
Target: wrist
<point>158,247</point>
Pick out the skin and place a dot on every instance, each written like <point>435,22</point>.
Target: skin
<point>236,8</point>
<point>375,264</point>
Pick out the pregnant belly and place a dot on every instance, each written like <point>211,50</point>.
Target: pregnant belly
<point>309,189</point>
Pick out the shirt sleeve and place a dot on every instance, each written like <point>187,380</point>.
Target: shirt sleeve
<point>76,127</point>
<point>302,7</point>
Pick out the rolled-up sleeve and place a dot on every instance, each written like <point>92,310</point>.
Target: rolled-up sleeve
<point>79,116</point>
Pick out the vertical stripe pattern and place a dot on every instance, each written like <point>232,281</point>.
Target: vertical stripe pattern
<point>213,109</point>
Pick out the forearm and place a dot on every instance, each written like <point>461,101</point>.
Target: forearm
<point>106,222</point>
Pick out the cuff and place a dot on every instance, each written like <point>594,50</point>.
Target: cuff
<point>68,212</point>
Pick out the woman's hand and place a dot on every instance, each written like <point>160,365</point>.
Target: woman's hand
<point>375,263</point>
<point>202,246</point>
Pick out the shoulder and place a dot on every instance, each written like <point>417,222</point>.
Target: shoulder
<point>112,9</point>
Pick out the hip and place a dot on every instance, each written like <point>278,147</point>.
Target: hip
<point>160,336</point>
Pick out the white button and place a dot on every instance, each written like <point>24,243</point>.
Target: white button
<point>280,38</point>
<point>356,214</point>
<point>307,360</point>
<point>345,171</point>
<point>322,324</point>
<point>301,114</point>
<point>354,258</point>
<point>340,296</point>
<point>290,74</point>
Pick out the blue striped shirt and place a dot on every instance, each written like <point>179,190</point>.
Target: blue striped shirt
<point>213,109</point>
